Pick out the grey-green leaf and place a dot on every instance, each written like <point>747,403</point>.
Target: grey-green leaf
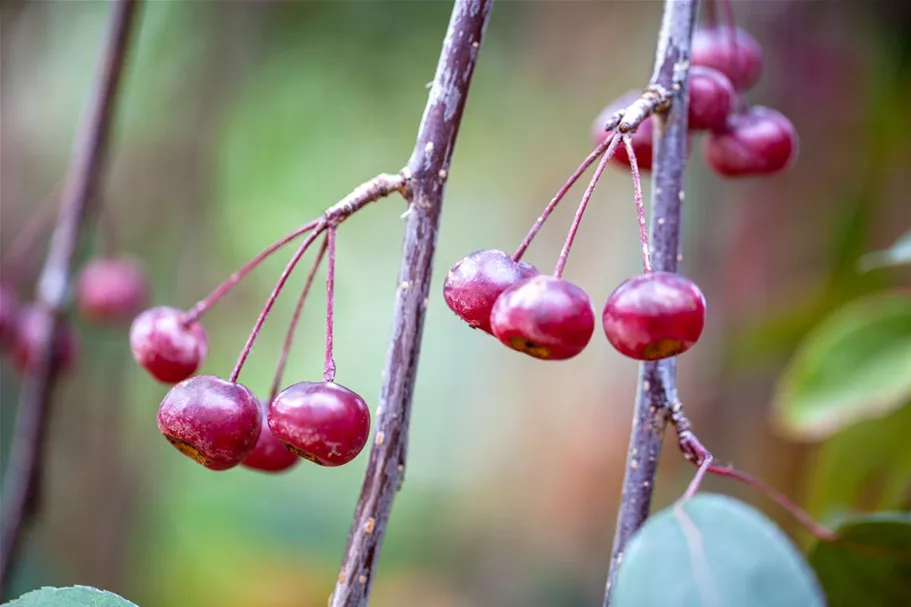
<point>713,551</point>
<point>869,563</point>
<point>899,254</point>
<point>856,365</point>
<point>72,596</point>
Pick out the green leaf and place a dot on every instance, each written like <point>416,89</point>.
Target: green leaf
<point>866,467</point>
<point>899,254</point>
<point>713,551</point>
<point>869,563</point>
<point>854,366</point>
<point>73,596</point>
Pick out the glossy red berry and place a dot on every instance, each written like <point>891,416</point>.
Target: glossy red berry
<point>323,422</point>
<point>475,281</point>
<point>27,341</point>
<point>270,454</point>
<point>654,316</point>
<point>712,98</point>
<point>111,290</point>
<point>739,58</point>
<point>758,142</point>
<point>545,317</point>
<point>210,420</point>
<point>167,348</point>
<point>9,314</point>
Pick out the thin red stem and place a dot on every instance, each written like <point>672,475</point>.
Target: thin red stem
<point>640,207</point>
<point>697,479</point>
<point>271,301</point>
<point>596,153</point>
<point>730,23</point>
<point>577,220</point>
<point>27,237</point>
<point>295,319</point>
<point>329,371</point>
<point>796,511</point>
<point>711,13</point>
<point>201,307</point>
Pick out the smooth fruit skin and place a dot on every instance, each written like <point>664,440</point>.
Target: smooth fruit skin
<point>759,142</point>
<point>545,317</point>
<point>270,454</point>
<point>711,97</point>
<point>323,422</point>
<point>212,421</point>
<point>654,316</point>
<point>26,342</point>
<point>111,290</point>
<point>9,314</point>
<point>739,59</point>
<point>475,282</point>
<point>166,348</point>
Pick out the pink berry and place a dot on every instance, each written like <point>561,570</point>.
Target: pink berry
<point>323,422</point>
<point>9,314</point>
<point>166,346</point>
<point>475,281</point>
<point>654,316</point>
<point>111,290</point>
<point>210,420</point>
<point>759,142</point>
<point>711,99</point>
<point>27,341</point>
<point>545,317</point>
<point>739,58</point>
<point>270,454</point>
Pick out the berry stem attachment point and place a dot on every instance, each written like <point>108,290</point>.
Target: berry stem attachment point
<point>552,205</point>
<point>329,371</point>
<point>203,306</point>
<point>292,326</point>
<point>640,207</point>
<point>286,273</point>
<point>577,220</point>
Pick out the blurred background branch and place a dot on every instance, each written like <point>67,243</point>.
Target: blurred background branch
<point>79,207</point>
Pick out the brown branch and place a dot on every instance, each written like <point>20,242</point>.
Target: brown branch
<point>78,209</point>
<point>657,383</point>
<point>426,171</point>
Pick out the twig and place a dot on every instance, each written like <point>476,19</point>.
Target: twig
<point>427,171</point>
<point>78,209</point>
<point>657,384</point>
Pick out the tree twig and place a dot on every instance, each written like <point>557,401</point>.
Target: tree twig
<point>427,171</point>
<point>657,383</point>
<point>78,208</point>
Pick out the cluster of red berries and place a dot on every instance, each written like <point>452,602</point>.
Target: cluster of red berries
<point>743,140</point>
<point>108,291</point>
<point>658,314</point>
<point>648,317</point>
<point>221,423</point>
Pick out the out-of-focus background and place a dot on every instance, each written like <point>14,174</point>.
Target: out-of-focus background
<point>241,120</point>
